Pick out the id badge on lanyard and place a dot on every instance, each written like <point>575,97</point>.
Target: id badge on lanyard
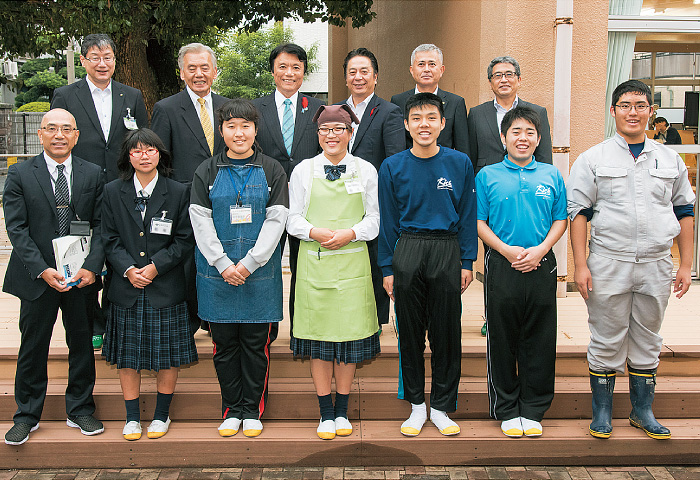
<point>240,213</point>
<point>162,225</point>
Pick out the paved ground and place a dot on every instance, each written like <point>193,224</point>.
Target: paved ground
<point>382,473</point>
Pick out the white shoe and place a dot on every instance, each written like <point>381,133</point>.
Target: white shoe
<point>158,428</point>
<point>444,424</point>
<point>512,427</point>
<point>229,427</point>
<point>252,427</point>
<point>326,430</point>
<point>531,428</point>
<point>414,424</point>
<point>343,427</point>
<point>132,430</point>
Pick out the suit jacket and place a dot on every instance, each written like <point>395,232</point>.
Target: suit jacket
<point>305,143</point>
<point>128,241</point>
<point>485,138</point>
<point>672,136</point>
<point>177,123</point>
<point>456,132</point>
<point>380,133</point>
<point>31,221</point>
<point>92,146</point>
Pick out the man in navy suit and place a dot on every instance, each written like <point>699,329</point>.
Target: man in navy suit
<point>104,111</point>
<point>427,69</point>
<point>43,199</point>
<point>379,135</point>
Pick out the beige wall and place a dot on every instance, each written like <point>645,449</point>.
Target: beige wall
<point>471,33</point>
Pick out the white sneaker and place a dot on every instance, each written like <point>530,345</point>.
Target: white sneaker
<point>132,430</point>
<point>326,430</point>
<point>512,427</point>
<point>343,427</point>
<point>229,427</point>
<point>531,428</point>
<point>414,424</point>
<point>252,427</point>
<point>158,428</point>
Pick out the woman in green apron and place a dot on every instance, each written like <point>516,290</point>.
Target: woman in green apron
<point>334,211</point>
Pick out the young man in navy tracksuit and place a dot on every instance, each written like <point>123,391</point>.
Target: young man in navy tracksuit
<point>427,244</point>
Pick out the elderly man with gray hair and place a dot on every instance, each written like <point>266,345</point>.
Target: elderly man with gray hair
<point>427,69</point>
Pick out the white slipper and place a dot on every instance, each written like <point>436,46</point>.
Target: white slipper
<point>512,427</point>
<point>343,427</point>
<point>443,422</point>
<point>531,428</point>
<point>326,430</point>
<point>132,430</point>
<point>158,428</point>
<point>252,427</point>
<point>229,427</point>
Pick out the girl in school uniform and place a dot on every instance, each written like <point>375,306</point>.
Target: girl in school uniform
<point>239,206</point>
<point>334,211</point>
<point>147,235</point>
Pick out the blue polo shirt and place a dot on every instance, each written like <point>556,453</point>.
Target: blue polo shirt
<point>520,203</point>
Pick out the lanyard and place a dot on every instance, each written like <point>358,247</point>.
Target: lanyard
<point>239,192</point>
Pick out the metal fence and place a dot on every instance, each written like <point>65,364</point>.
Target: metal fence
<point>23,138</point>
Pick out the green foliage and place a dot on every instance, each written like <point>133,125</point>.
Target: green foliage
<point>37,82</point>
<point>35,107</point>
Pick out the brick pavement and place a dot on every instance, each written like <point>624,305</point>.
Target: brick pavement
<point>365,473</point>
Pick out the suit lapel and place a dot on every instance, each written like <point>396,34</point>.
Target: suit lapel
<point>492,122</point>
<point>85,98</point>
<point>370,113</point>
<point>300,122</point>
<point>128,194</point>
<point>117,105</point>
<point>443,95</point>
<point>155,203</point>
<point>273,123</point>
<point>78,182</point>
<point>192,120</point>
<point>216,102</point>
<point>41,172</point>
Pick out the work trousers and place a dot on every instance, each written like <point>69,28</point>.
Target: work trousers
<point>521,337</point>
<point>242,362</point>
<point>427,283</point>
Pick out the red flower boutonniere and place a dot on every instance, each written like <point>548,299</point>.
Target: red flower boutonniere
<point>304,104</point>
<point>372,111</point>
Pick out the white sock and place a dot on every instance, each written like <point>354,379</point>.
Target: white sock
<point>414,424</point>
<point>443,422</point>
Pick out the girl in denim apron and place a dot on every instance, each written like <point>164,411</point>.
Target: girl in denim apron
<point>239,206</point>
<point>334,211</point>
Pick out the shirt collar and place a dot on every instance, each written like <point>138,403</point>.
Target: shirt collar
<point>94,88</point>
<point>279,99</point>
<point>648,146</point>
<point>363,103</point>
<point>148,189</point>
<point>416,92</point>
<point>512,165</point>
<point>502,108</point>
<point>194,97</point>
<point>51,164</point>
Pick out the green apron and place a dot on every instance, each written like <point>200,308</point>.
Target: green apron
<point>334,298</point>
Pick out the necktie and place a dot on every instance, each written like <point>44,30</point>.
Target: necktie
<point>288,126</point>
<point>141,201</point>
<point>206,125</point>
<point>62,201</point>
<point>333,172</point>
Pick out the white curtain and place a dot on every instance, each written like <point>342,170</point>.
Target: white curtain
<point>620,51</point>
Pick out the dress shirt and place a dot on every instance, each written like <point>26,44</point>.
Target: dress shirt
<point>358,110</point>
<point>207,104</point>
<point>300,189</point>
<point>501,111</point>
<point>103,105</point>
<point>279,102</point>
<point>416,92</point>
<point>146,191</point>
<point>51,164</point>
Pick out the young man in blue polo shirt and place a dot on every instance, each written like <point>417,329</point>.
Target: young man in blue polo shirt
<point>521,213</point>
<point>427,244</point>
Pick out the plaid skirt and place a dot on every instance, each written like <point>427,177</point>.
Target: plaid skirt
<point>354,351</point>
<point>146,338</point>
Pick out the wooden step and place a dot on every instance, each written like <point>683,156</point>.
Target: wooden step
<point>373,443</point>
<point>372,398</point>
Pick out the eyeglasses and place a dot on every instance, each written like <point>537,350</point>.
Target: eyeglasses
<point>139,153</point>
<point>97,60</point>
<point>639,107</point>
<point>323,131</point>
<point>500,75</point>
<point>53,129</point>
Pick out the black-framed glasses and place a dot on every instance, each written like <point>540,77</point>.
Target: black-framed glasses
<point>53,129</point>
<point>499,75</point>
<point>139,153</point>
<point>323,131</point>
<point>638,107</point>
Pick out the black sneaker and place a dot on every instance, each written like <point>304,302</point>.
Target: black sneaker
<point>87,424</point>
<point>19,433</point>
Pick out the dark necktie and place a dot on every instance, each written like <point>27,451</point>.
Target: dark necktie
<point>333,172</point>
<point>62,201</point>
<point>141,202</point>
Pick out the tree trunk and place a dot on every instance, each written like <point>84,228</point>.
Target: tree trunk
<point>132,64</point>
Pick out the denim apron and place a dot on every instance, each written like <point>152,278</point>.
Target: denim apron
<point>259,299</point>
<point>334,297</point>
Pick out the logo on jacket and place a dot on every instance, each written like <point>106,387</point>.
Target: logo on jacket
<point>543,191</point>
<point>444,184</point>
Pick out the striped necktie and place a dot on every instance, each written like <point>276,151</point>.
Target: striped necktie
<point>206,125</point>
<point>62,201</point>
<point>288,126</point>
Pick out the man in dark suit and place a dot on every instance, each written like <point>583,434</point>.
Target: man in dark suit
<point>44,197</point>
<point>427,69</point>
<point>485,145</point>
<point>665,134</point>
<point>185,122</point>
<point>380,134</point>
<point>104,110</point>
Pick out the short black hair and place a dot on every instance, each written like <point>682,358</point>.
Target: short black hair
<point>360,52</point>
<point>524,112</point>
<point>661,120</point>
<point>292,49</point>
<point>147,138</point>
<point>99,40</point>
<point>237,108</point>
<point>631,86</point>
<point>420,100</point>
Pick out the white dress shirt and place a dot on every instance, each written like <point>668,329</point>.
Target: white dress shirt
<point>51,164</point>
<point>358,110</point>
<point>279,102</point>
<point>207,104</point>
<point>103,104</point>
<point>416,92</point>
<point>300,190</point>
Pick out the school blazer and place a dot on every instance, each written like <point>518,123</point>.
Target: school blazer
<point>31,221</point>
<point>305,144</point>
<point>128,241</point>
<point>92,146</point>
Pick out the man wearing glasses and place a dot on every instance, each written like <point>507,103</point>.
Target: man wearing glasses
<point>104,110</point>
<point>637,196</point>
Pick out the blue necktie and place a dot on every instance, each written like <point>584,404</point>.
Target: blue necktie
<point>288,126</point>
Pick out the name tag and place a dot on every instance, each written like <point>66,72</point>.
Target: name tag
<point>161,226</point>
<point>130,123</point>
<point>242,214</point>
<point>353,186</point>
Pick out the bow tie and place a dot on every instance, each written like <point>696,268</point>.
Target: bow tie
<point>141,203</point>
<point>333,172</point>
